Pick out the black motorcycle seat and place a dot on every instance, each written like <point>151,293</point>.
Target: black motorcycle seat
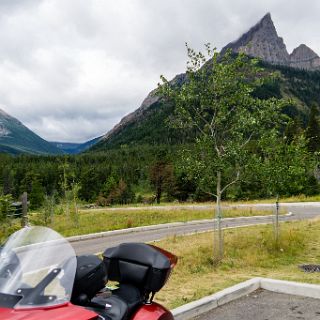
<point>124,300</point>
<point>122,303</point>
<point>112,308</point>
<point>130,294</point>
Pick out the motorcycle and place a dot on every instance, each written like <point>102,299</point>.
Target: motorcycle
<point>42,278</point>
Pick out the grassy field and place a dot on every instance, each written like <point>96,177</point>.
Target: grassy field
<point>91,221</point>
<point>249,252</point>
<point>297,198</point>
<point>98,220</point>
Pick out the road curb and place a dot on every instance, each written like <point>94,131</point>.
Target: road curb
<point>206,304</point>
<point>289,287</point>
<point>106,234</point>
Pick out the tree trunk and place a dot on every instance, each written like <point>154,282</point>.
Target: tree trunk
<point>218,232</point>
<point>158,193</point>
<point>24,202</point>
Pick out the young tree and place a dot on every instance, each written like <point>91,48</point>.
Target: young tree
<point>121,194</point>
<point>161,178</point>
<point>216,99</point>
<point>37,194</point>
<point>283,168</point>
<point>7,181</point>
<point>47,211</point>
<point>6,208</point>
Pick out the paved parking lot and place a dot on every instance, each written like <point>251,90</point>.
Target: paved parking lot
<point>265,305</point>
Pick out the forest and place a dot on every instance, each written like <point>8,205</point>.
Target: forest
<point>144,163</point>
<point>148,174</point>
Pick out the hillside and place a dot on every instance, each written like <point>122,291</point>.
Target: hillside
<point>300,81</point>
<point>15,138</point>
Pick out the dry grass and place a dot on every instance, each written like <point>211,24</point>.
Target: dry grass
<point>249,252</point>
<point>91,221</point>
<point>296,198</point>
<point>98,220</point>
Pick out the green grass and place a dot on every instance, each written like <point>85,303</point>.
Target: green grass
<point>98,220</point>
<point>249,252</point>
<point>297,198</point>
<point>91,221</point>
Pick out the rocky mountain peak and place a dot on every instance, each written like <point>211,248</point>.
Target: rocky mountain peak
<point>303,57</point>
<point>267,23</point>
<point>262,41</point>
<point>303,52</point>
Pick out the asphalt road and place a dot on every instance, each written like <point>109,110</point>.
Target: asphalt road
<point>265,305</point>
<point>300,211</point>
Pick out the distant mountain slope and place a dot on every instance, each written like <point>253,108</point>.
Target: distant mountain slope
<point>15,138</point>
<point>75,148</point>
<point>147,124</point>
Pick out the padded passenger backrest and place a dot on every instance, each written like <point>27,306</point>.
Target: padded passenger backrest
<point>138,264</point>
<point>90,277</point>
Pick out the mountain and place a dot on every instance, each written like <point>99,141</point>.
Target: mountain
<point>147,124</point>
<point>15,138</point>
<point>262,41</point>
<point>303,57</point>
<point>75,148</point>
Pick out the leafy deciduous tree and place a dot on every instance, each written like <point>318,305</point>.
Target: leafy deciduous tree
<point>216,98</point>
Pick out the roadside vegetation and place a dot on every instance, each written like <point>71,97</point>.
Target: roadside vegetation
<point>249,252</point>
<point>231,138</point>
<point>183,164</point>
<point>93,220</point>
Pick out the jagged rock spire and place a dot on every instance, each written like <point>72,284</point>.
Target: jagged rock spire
<point>262,41</point>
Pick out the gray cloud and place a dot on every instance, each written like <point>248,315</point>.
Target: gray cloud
<point>71,69</point>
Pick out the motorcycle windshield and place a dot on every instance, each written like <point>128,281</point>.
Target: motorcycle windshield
<point>37,269</point>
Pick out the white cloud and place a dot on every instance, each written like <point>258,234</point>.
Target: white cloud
<point>71,69</point>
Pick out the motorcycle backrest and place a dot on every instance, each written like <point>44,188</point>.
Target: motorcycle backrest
<point>138,264</point>
<point>90,277</point>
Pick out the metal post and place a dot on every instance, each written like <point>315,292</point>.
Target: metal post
<point>24,201</point>
<point>277,221</point>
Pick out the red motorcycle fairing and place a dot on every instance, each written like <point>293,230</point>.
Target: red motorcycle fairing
<point>153,311</point>
<point>65,312</point>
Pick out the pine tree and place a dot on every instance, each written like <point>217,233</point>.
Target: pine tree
<point>313,130</point>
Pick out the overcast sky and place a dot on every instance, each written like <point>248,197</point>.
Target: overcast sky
<point>71,69</point>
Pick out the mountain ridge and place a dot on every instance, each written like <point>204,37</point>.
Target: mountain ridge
<point>16,138</point>
<point>261,41</point>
